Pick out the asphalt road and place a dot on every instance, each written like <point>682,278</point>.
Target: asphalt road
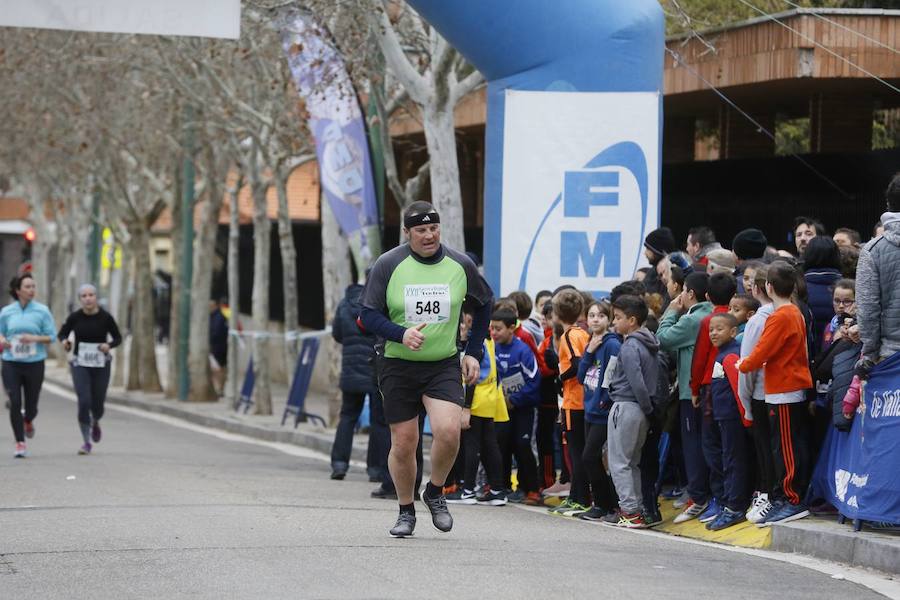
<point>159,511</point>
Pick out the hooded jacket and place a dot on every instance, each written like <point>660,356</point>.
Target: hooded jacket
<point>594,372</point>
<point>678,334</point>
<point>636,374</point>
<point>878,291</point>
<point>818,288</point>
<point>358,352</point>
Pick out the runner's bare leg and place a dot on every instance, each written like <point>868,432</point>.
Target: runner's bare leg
<point>444,417</point>
<point>402,458</point>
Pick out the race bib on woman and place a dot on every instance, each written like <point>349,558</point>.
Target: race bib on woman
<point>427,303</point>
<point>89,355</point>
<point>22,350</point>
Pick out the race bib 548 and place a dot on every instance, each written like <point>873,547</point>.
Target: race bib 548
<point>426,303</point>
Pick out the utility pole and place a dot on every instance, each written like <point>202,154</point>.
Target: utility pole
<point>187,254</point>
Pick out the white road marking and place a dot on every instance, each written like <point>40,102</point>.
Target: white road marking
<point>881,584</point>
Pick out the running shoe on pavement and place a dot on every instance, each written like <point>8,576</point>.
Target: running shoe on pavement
<point>557,489</point>
<point>29,429</point>
<point>712,511</point>
<point>692,510</point>
<point>96,434</point>
<point>653,517</point>
<point>461,496</point>
<point>440,515</point>
<point>406,524</point>
<point>682,501</point>
<point>563,506</point>
<point>85,448</point>
<point>20,450</point>
<point>632,521</point>
<point>517,497</point>
<point>595,513</point>
<point>726,518</point>
<point>492,498</point>
<point>575,510</point>
<point>785,512</point>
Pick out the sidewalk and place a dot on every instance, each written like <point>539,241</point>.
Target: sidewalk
<point>817,537</point>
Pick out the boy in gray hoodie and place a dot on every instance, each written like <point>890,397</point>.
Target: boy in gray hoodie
<point>631,388</point>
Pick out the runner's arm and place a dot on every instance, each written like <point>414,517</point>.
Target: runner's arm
<point>377,323</point>
<point>114,333</point>
<point>66,328</point>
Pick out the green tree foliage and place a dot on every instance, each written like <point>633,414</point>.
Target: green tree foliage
<point>706,14</point>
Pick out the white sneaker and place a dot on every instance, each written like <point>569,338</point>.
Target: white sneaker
<point>692,511</point>
<point>761,513</point>
<point>759,500</point>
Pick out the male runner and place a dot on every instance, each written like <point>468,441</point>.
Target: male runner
<point>412,301</point>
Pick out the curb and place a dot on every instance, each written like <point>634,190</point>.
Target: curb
<point>320,442</point>
<point>869,550</point>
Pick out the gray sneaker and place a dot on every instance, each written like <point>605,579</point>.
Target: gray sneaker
<point>406,524</point>
<point>440,515</point>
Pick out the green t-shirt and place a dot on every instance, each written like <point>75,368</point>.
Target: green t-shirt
<point>410,290</point>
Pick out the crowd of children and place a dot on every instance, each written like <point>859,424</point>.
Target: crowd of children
<point>741,358</point>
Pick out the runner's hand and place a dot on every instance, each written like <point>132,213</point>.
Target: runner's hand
<point>4,343</point>
<point>470,370</point>
<point>413,338</point>
<point>465,421</point>
<point>104,348</point>
<point>27,338</point>
<point>67,346</point>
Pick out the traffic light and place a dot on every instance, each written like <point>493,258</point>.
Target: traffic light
<point>29,236</point>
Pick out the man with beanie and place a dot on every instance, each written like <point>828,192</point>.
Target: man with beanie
<point>749,244</point>
<point>657,245</point>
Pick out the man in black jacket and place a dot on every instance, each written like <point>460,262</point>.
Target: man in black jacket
<point>357,380</point>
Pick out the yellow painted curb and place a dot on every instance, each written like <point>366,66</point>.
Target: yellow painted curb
<point>745,535</point>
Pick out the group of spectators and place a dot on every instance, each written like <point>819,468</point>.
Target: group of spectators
<point>743,356</point>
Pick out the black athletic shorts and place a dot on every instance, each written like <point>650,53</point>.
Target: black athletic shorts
<point>403,383</point>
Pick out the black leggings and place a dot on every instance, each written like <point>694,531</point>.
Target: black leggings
<point>547,433</point>
<point>90,387</point>
<point>573,425</point>
<point>22,381</point>
<point>762,443</point>
<point>480,443</point>
<point>602,489</point>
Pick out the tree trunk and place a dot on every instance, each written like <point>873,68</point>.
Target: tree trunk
<point>261,279</point>
<point>143,341</point>
<point>201,389</point>
<point>440,137</point>
<point>119,300</point>
<point>289,270</point>
<point>335,278</point>
<point>58,300</point>
<point>175,292</point>
<point>234,236</point>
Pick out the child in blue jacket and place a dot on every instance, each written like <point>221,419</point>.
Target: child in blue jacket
<point>520,379</point>
<point>596,365</point>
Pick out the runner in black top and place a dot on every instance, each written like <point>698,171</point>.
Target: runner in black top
<point>412,301</point>
<point>96,333</point>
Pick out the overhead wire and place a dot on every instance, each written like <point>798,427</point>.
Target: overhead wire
<point>772,17</point>
<point>680,61</point>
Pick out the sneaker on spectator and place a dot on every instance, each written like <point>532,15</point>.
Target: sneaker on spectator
<point>461,496</point>
<point>533,499</point>
<point>672,494</point>
<point>20,452</point>
<point>692,510</point>
<point>784,512</point>
<point>883,525</point>
<point>726,518</point>
<point>563,506</point>
<point>764,510</point>
<point>611,518</point>
<point>755,503</point>
<point>682,501</point>
<point>558,489</point>
<point>575,510</point>
<point>594,513</point>
<point>822,508</point>
<point>492,498</point>
<point>712,511</point>
<point>759,508</point>
<point>653,517</point>
<point>448,489</point>
<point>632,521</point>
<point>517,497</point>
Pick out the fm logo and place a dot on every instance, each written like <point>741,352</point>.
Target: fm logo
<point>592,234</point>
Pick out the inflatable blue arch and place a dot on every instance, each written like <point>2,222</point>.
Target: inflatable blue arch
<point>573,133</point>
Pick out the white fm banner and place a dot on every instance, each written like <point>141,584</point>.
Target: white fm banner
<point>204,18</point>
<point>580,188</point>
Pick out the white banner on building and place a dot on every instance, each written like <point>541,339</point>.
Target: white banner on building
<point>205,18</point>
<point>580,188</point>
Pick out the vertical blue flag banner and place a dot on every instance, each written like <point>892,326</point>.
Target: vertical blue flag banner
<point>336,121</point>
<point>573,138</point>
<point>860,469</point>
